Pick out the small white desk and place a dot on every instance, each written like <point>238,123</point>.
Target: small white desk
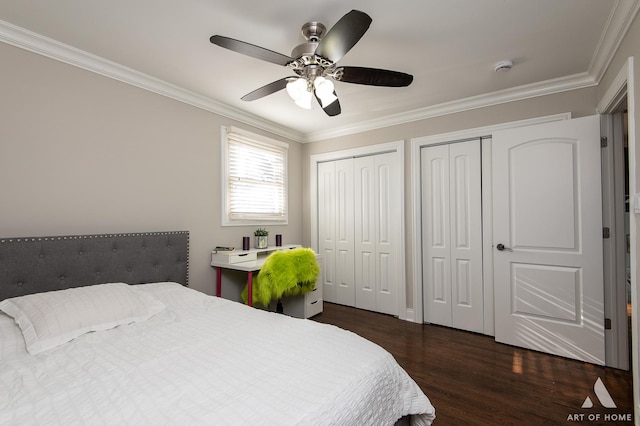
<point>243,260</point>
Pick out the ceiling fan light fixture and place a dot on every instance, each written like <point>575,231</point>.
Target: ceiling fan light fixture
<point>296,87</point>
<point>316,58</point>
<point>325,91</point>
<point>323,86</point>
<point>298,90</point>
<point>305,100</point>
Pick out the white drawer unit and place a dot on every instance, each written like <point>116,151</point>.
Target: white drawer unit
<point>308,304</point>
<point>234,257</point>
<point>304,305</point>
<point>313,302</point>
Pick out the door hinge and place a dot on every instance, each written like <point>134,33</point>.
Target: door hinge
<point>604,141</point>
<point>607,323</point>
<point>605,232</point>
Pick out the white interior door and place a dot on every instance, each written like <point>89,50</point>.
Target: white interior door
<point>466,236</point>
<point>377,231</point>
<point>436,263</point>
<point>452,235</point>
<point>327,228</point>
<point>344,261</point>
<point>365,232</point>
<point>388,231</point>
<point>547,227</point>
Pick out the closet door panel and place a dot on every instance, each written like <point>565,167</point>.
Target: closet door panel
<point>344,194</point>
<point>365,262</point>
<point>436,254</point>
<point>387,224</point>
<point>327,228</point>
<point>466,236</point>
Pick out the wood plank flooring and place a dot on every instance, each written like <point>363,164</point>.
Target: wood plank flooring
<point>472,380</point>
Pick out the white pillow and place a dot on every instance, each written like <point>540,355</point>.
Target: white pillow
<point>52,318</point>
<point>11,340</point>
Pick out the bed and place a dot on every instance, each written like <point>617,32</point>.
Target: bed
<point>110,334</point>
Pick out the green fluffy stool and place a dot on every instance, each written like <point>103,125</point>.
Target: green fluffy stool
<point>284,273</point>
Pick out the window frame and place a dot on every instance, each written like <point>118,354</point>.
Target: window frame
<point>251,139</point>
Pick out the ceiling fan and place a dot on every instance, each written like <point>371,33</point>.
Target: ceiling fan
<point>314,63</point>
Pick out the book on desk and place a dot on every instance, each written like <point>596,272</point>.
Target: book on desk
<point>223,249</point>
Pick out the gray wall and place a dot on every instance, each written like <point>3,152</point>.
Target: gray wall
<point>81,153</point>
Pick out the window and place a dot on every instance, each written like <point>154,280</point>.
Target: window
<point>254,179</point>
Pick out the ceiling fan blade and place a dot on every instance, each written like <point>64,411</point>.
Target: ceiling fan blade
<point>333,108</point>
<point>267,90</point>
<point>251,50</point>
<point>375,77</point>
<point>343,35</point>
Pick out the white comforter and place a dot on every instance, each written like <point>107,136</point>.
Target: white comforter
<point>209,361</point>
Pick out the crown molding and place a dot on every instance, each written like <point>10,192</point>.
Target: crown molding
<point>621,18</point>
<point>533,90</point>
<point>622,15</point>
<point>36,43</point>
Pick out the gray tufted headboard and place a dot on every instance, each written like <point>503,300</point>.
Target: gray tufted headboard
<point>37,264</point>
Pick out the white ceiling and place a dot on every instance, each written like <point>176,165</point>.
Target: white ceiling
<point>449,46</point>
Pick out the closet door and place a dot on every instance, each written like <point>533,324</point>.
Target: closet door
<point>452,235</point>
<point>344,233</point>
<point>327,228</point>
<point>335,230</point>
<point>377,228</point>
<point>466,236</point>
<point>436,253</point>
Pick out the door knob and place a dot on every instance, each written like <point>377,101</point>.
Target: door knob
<point>501,247</point>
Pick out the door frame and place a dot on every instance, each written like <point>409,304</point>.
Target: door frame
<point>614,247</point>
<point>415,313</point>
<point>624,85</point>
<point>315,159</point>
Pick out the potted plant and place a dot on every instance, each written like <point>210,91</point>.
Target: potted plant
<point>261,235</point>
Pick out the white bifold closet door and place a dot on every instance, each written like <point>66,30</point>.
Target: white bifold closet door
<point>377,228</point>
<point>359,231</point>
<point>452,235</point>
<point>336,230</point>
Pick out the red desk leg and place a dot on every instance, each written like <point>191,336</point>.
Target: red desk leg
<point>250,288</point>
<point>218,281</point>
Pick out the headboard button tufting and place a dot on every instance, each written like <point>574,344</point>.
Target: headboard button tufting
<point>89,260</point>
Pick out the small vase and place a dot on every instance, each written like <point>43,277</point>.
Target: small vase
<point>261,241</point>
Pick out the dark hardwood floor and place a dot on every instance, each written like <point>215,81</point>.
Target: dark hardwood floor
<point>472,380</point>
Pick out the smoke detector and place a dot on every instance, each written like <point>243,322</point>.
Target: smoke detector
<point>503,66</point>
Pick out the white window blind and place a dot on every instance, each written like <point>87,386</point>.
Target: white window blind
<point>255,178</point>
